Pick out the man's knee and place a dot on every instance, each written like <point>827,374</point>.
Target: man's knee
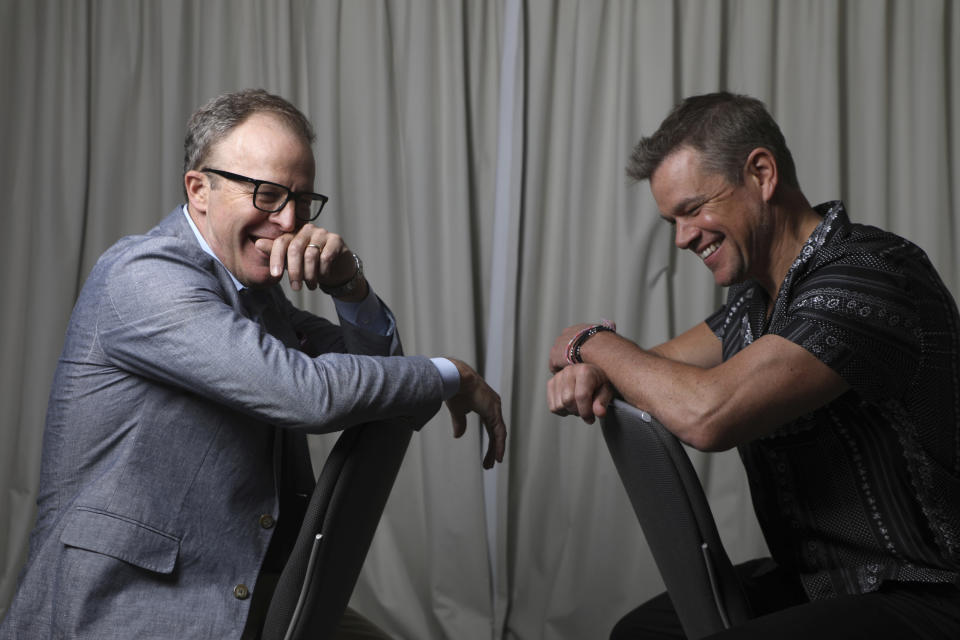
<point>655,619</point>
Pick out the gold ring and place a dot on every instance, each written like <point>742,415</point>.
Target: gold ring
<point>315,246</point>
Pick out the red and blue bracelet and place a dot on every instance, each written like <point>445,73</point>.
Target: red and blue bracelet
<point>576,342</point>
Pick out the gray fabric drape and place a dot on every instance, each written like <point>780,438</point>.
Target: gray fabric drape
<point>405,97</point>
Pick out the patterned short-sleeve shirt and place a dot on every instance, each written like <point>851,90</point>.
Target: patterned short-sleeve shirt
<point>866,488</point>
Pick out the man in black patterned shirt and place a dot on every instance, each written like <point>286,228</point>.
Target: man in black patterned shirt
<point>834,367</point>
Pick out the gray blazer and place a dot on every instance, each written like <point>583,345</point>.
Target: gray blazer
<point>161,454</point>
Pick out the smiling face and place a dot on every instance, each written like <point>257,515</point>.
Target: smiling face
<point>262,147</point>
<point>727,225</point>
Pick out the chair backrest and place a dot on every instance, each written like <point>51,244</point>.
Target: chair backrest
<point>677,523</point>
<point>351,492</point>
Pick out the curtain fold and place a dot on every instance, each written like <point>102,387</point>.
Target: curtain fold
<point>46,171</point>
<point>412,167</point>
<point>406,100</point>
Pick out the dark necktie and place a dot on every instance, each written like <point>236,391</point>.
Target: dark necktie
<point>263,309</point>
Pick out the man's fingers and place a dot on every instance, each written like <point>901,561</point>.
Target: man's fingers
<point>459,419</point>
<point>491,415</point>
<point>555,396</point>
<point>475,395</point>
<point>497,433</point>
<point>568,398</point>
<point>329,260</point>
<point>496,441</point>
<point>333,249</point>
<point>491,455</point>
<point>264,245</point>
<point>311,256</point>
<point>303,254</point>
<point>603,398</point>
<point>500,438</point>
<point>278,255</point>
<point>295,263</point>
<point>580,390</point>
<point>583,396</point>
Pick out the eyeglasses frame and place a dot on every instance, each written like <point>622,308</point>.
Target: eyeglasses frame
<point>291,194</point>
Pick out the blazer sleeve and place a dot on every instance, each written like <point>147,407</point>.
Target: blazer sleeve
<point>166,314</point>
<point>318,335</point>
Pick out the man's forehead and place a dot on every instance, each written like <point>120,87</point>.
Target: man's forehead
<point>682,162</point>
<point>678,172</point>
<point>680,183</point>
<point>263,142</point>
<point>257,131</point>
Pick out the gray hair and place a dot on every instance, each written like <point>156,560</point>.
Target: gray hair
<point>212,122</point>
<point>724,128</point>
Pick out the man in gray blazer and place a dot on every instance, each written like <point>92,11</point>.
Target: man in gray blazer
<point>175,464</point>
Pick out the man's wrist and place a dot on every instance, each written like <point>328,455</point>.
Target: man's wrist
<point>575,345</point>
<point>369,313</point>
<point>352,290</point>
<point>450,376</point>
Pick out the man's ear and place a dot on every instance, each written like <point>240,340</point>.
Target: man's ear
<point>197,187</point>
<point>761,168</point>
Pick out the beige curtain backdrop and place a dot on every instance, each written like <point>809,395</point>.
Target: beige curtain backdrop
<point>473,151</point>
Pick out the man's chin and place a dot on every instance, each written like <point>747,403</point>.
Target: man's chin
<point>723,279</point>
<point>259,279</point>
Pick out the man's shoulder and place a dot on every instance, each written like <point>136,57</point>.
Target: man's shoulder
<point>170,240</point>
<point>167,253</point>
<point>854,243</point>
<point>170,234</point>
<point>865,258</point>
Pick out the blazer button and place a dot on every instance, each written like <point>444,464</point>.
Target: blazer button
<point>241,592</point>
<point>267,521</point>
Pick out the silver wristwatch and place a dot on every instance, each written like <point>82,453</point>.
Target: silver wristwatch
<point>350,285</point>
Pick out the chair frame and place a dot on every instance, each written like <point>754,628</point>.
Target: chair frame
<point>316,582</point>
<point>676,520</point>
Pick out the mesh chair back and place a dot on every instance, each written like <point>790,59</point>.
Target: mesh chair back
<point>677,523</point>
<point>341,518</point>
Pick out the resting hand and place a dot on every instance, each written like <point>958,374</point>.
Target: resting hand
<point>558,353</point>
<point>580,389</point>
<point>312,256</point>
<point>476,395</point>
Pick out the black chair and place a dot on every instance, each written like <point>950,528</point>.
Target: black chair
<point>677,523</point>
<point>351,492</point>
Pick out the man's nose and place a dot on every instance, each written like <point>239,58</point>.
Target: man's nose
<point>686,234</point>
<point>286,218</point>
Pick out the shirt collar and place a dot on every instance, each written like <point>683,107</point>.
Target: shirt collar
<point>207,249</point>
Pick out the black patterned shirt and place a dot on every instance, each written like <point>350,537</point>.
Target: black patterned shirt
<point>866,488</point>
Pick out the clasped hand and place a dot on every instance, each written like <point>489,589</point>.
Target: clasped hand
<point>312,256</point>
<point>576,389</point>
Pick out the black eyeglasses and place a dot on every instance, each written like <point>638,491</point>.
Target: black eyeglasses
<point>271,197</point>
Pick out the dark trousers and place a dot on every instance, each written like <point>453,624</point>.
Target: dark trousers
<point>898,610</point>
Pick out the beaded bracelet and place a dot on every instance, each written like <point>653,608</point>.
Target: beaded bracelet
<point>576,342</point>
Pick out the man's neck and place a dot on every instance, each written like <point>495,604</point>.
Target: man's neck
<point>192,220</point>
<point>795,220</point>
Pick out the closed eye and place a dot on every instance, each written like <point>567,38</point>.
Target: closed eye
<point>694,210</point>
